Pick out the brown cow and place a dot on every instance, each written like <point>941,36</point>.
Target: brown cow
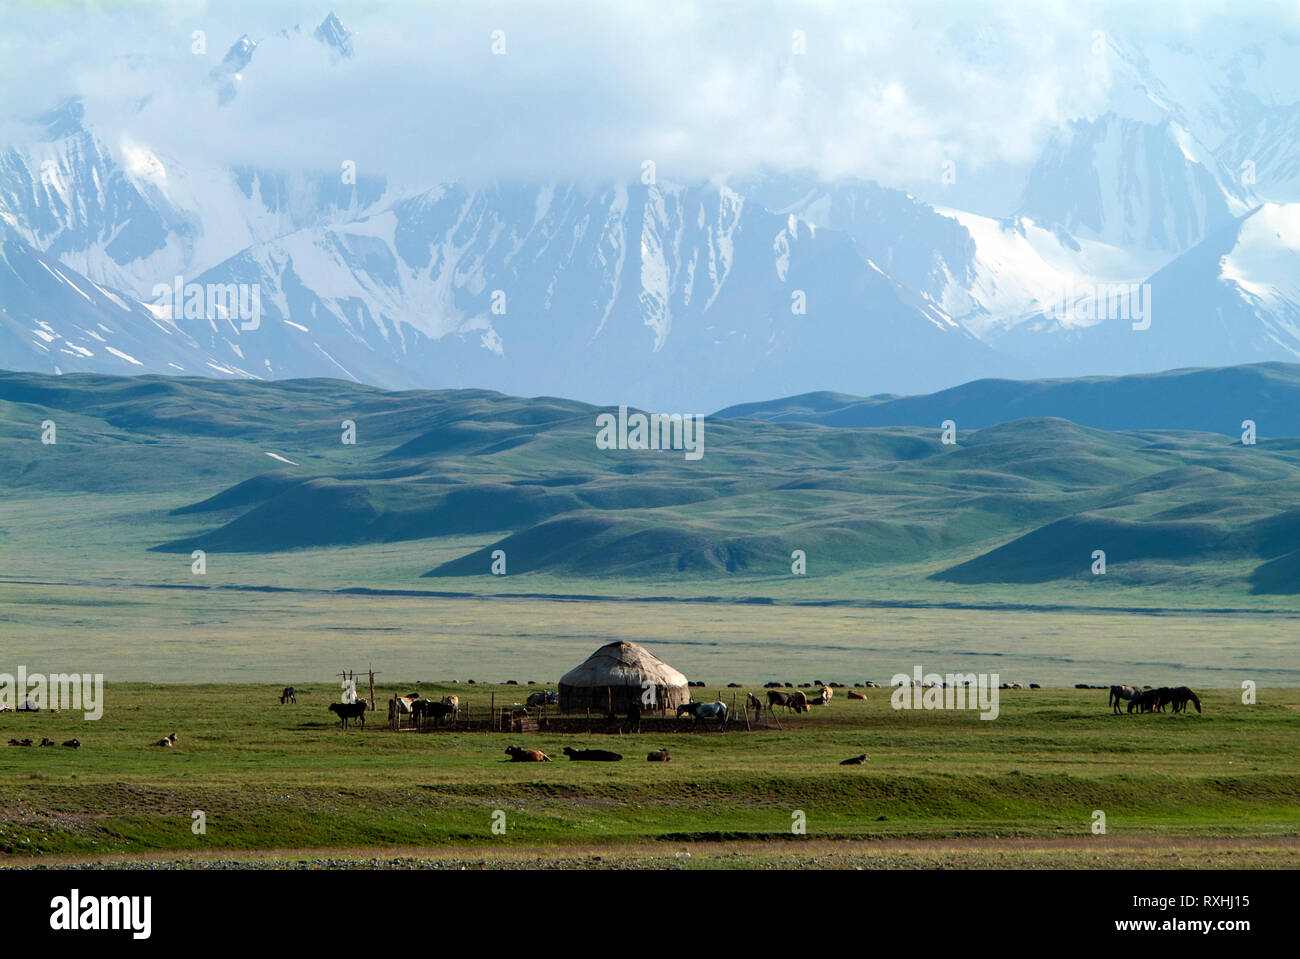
<point>795,700</point>
<point>853,695</point>
<point>518,755</point>
<point>659,756</point>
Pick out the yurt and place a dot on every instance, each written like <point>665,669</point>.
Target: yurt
<point>614,676</point>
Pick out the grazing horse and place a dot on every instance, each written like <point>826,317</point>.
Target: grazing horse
<point>290,695</point>
<point>1179,696</point>
<point>714,710</point>
<point>348,711</point>
<point>1118,693</point>
<point>1150,700</point>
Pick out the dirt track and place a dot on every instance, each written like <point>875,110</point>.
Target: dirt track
<point>1073,852</point>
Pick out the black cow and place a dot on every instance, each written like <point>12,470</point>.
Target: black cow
<point>348,711</point>
<point>592,755</point>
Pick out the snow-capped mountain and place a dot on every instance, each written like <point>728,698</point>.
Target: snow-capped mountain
<point>671,294</point>
<point>649,289</point>
<point>1132,185</point>
<point>1264,153</point>
<point>1234,298</point>
<point>130,219</point>
<point>57,321</point>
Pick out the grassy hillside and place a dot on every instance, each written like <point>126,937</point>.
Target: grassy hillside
<point>885,512</point>
<point>1211,400</point>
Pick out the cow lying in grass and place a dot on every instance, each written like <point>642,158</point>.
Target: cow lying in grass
<point>592,755</point>
<point>167,741</point>
<point>518,755</point>
<point>659,756</point>
<point>346,711</point>
<point>854,761</point>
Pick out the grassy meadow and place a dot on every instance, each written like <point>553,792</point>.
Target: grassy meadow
<point>271,777</point>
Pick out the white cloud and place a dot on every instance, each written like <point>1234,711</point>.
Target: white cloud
<point>587,89</point>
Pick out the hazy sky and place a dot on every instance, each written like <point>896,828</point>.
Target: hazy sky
<point>592,89</point>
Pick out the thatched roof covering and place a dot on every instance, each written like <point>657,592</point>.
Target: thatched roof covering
<point>615,674</point>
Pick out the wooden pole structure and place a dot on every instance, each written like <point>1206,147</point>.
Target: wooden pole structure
<point>492,710</point>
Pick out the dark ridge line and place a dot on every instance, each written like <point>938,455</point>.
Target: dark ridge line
<point>715,600</point>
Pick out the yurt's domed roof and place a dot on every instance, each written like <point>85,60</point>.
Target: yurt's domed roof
<point>622,664</point>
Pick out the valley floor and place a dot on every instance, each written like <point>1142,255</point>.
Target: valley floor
<point>284,786</point>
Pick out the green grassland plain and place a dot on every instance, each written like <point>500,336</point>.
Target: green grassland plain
<point>1219,787</point>
<point>371,556</point>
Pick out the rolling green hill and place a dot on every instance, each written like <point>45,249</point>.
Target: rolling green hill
<point>260,468</point>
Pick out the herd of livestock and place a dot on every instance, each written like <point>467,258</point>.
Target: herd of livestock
<point>1153,700</point>
<point>1139,699</point>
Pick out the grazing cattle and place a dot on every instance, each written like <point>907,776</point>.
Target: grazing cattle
<point>290,695</point>
<point>592,755</point>
<point>167,741</point>
<point>48,742</point>
<point>1118,693</point>
<point>426,708</point>
<point>827,693</point>
<point>1179,696</point>
<point>855,761</point>
<point>347,711</point>
<point>870,684</point>
<point>73,744</point>
<point>659,756</point>
<point>518,755</point>
<point>796,701</point>
<point>853,695</point>
<point>698,711</point>
<point>453,702</point>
